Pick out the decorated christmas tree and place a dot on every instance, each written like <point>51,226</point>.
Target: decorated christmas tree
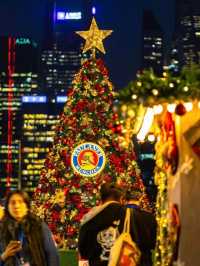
<point>87,149</point>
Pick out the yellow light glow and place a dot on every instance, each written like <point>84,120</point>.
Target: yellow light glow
<point>186,88</point>
<point>131,113</point>
<point>155,92</point>
<point>134,96</point>
<point>164,74</point>
<point>151,138</point>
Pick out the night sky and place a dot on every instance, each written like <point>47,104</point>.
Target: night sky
<point>26,18</point>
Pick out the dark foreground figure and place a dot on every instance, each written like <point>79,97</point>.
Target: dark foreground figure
<point>102,225</point>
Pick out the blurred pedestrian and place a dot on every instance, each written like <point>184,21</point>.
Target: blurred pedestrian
<point>24,239</point>
<point>100,227</point>
<point>144,226</point>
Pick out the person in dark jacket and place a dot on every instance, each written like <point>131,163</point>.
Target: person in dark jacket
<point>24,239</point>
<point>145,226</point>
<point>100,227</point>
<point>103,224</point>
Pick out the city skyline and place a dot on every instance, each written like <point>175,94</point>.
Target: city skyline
<point>57,64</point>
<point>28,20</point>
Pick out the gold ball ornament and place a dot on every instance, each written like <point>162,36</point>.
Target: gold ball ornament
<point>94,93</point>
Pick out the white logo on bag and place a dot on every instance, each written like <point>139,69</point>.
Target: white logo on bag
<point>106,239</point>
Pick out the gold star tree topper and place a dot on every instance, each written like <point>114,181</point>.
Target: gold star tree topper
<point>94,37</point>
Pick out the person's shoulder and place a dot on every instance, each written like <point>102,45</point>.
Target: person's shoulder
<point>45,228</point>
<point>115,205</point>
<point>144,216</point>
<point>100,211</point>
<point>34,220</point>
<point>142,213</point>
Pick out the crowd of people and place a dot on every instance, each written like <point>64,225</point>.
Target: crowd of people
<point>25,240</point>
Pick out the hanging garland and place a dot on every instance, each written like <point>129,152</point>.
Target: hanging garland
<point>166,164</point>
<point>149,89</point>
<point>177,94</point>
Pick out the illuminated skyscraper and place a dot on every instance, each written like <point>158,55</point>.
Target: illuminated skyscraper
<point>152,42</point>
<point>187,31</point>
<point>39,120</point>
<point>18,76</point>
<point>61,54</point>
<point>58,69</point>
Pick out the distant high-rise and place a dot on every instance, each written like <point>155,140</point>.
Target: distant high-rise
<point>187,31</point>
<point>38,128</point>
<point>152,42</point>
<point>58,69</point>
<point>18,76</point>
<point>61,53</point>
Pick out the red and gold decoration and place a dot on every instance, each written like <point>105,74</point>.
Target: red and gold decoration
<point>149,89</point>
<point>166,165</point>
<point>165,99</point>
<point>180,109</point>
<point>63,196</point>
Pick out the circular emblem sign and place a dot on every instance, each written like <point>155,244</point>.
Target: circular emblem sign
<point>88,159</point>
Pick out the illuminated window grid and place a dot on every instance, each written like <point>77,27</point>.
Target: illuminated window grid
<point>38,131</point>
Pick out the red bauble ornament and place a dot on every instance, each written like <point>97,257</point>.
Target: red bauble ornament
<point>70,231</point>
<point>115,116</point>
<point>118,129</point>
<point>180,109</point>
<point>101,91</point>
<point>62,181</point>
<point>110,125</point>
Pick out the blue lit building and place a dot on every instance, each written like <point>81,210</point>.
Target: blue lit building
<point>61,51</point>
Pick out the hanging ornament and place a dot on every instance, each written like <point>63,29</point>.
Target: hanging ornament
<point>180,109</point>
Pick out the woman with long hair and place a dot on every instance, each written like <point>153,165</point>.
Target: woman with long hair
<point>24,239</point>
